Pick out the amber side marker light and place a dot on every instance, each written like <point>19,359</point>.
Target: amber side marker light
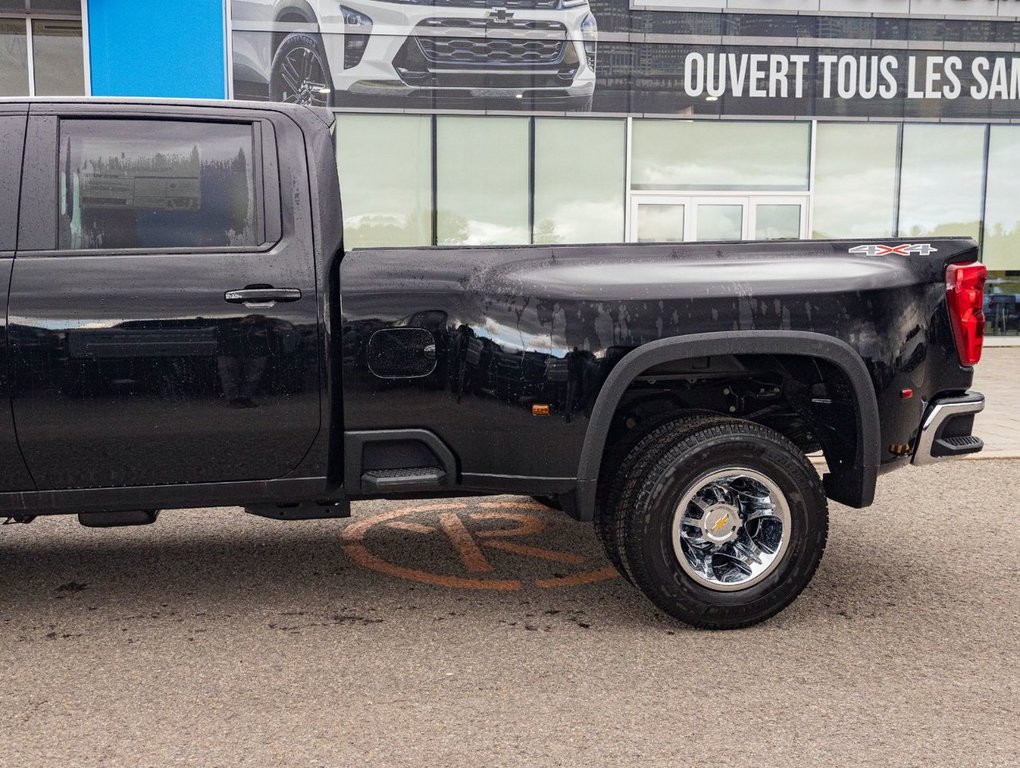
<point>539,409</point>
<point>965,293</point>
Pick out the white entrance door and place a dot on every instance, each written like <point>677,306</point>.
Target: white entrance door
<point>658,218</point>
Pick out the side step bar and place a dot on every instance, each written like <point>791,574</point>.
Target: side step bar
<point>946,429</point>
<point>397,480</point>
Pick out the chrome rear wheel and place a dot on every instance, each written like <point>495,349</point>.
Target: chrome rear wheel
<point>721,522</point>
<point>731,529</point>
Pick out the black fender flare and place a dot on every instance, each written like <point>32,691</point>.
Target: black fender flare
<point>855,488</point>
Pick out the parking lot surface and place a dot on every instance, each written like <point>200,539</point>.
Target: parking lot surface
<point>475,632</point>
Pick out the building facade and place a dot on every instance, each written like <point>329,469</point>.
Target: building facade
<point>573,121</point>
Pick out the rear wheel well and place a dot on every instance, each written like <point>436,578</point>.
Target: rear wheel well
<point>809,400</point>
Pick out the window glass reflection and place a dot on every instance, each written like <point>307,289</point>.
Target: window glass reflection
<point>940,181</point>
<point>676,154</point>
<point>855,180</point>
<point>136,184</point>
<point>777,221</point>
<point>58,59</point>
<point>13,58</point>
<point>660,223</point>
<point>1001,247</point>
<point>385,166</point>
<point>482,181</point>
<point>64,7</point>
<point>1002,303</point>
<point>579,180</point>
<point>720,222</point>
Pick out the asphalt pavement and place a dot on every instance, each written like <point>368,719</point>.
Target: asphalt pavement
<point>488,632</point>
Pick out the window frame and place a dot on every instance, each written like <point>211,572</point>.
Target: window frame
<point>28,18</point>
<point>39,225</point>
<point>748,200</point>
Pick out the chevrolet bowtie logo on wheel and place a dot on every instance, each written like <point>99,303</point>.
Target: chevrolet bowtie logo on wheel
<point>500,16</point>
<point>873,249</point>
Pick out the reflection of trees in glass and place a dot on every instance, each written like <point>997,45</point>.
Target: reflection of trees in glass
<point>1001,246</point>
<point>241,203</point>
<point>158,181</point>
<point>135,197</point>
<point>383,229</point>
<point>452,228</point>
<point>953,229</point>
<point>157,161</point>
<point>545,232</point>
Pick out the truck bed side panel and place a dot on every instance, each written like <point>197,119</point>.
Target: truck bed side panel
<point>515,327</point>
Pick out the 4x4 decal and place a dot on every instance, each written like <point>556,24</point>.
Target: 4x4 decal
<point>873,249</point>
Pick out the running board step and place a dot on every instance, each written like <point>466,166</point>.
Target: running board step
<point>404,479</point>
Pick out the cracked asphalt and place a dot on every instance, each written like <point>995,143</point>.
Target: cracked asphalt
<point>487,632</point>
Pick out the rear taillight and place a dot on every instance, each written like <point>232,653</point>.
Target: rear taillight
<point>965,292</point>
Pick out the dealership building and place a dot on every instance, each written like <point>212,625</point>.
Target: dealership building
<point>577,121</point>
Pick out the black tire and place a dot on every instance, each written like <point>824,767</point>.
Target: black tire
<point>620,464</point>
<point>668,462</point>
<point>300,71</point>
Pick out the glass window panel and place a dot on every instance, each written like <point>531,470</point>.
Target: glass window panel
<point>779,221</point>
<point>155,185</point>
<point>941,180</point>
<point>1002,303</point>
<point>482,181</point>
<point>660,223</point>
<point>58,57</point>
<point>385,166</point>
<point>63,7</point>
<point>674,154</point>
<point>855,180</point>
<point>13,58</point>
<point>1001,247</point>
<point>579,180</point>
<point>720,222</point>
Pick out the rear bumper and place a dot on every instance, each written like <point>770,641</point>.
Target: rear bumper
<point>947,427</point>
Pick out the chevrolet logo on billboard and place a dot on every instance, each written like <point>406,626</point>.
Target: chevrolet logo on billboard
<point>499,16</point>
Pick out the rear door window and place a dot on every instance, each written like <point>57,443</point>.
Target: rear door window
<point>142,184</point>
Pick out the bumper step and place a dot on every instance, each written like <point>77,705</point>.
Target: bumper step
<point>948,447</point>
<point>946,429</point>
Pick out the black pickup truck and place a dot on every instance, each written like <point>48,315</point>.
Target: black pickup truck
<point>182,327</point>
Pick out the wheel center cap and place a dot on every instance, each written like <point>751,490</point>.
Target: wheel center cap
<point>720,523</point>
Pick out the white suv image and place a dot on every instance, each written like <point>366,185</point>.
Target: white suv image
<point>535,54</point>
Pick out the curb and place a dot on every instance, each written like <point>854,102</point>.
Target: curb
<point>819,461</point>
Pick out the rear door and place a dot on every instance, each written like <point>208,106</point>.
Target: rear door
<point>162,306</point>
<point>13,475</point>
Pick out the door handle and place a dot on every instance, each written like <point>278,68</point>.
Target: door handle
<point>261,297</point>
